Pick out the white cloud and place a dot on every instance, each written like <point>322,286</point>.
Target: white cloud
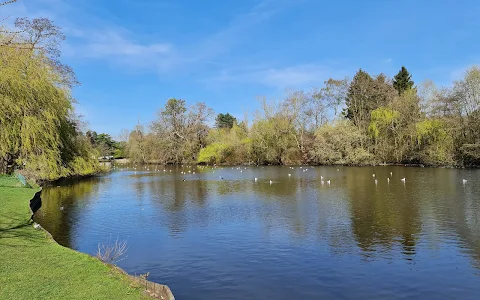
<point>114,46</point>
<point>92,38</point>
<point>112,43</point>
<point>297,76</point>
<point>293,76</point>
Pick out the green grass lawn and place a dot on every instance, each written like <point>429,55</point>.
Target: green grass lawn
<point>33,266</point>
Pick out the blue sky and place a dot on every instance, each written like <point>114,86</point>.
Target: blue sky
<point>132,56</point>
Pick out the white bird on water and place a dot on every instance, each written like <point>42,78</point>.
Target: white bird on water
<point>465,181</point>
<point>391,173</point>
<point>271,182</point>
<point>256,179</point>
<point>328,182</point>
<point>403,180</point>
<point>376,182</point>
<point>289,175</point>
<point>321,177</point>
<point>388,180</point>
<point>373,175</point>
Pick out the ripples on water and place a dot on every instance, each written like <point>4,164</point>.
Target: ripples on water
<point>221,235</point>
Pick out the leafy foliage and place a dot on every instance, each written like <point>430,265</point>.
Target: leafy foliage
<point>340,143</point>
<point>38,130</point>
<point>106,145</point>
<point>436,141</point>
<point>383,121</point>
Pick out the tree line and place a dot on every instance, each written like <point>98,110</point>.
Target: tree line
<point>370,119</point>
<point>40,134</point>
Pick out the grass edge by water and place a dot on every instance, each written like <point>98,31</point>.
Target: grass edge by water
<point>34,266</point>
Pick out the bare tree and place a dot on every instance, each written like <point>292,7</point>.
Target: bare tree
<point>124,134</point>
<point>335,92</point>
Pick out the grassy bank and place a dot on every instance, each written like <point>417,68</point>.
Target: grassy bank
<point>33,266</point>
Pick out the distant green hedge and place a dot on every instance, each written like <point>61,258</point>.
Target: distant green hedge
<point>10,181</point>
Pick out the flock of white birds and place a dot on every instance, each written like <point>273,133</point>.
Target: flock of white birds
<point>322,181</point>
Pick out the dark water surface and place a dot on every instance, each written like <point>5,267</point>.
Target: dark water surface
<point>295,238</point>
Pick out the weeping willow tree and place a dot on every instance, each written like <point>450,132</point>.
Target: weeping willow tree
<point>38,129</point>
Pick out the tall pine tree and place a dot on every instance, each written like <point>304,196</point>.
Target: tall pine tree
<point>403,81</point>
<point>225,121</point>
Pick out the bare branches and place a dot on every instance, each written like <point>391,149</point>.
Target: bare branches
<point>7,2</point>
<point>41,33</point>
<point>112,252</point>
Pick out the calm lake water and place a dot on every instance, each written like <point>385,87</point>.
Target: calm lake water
<point>221,235</point>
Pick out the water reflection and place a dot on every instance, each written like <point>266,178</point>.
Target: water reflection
<point>184,225</point>
<point>64,203</point>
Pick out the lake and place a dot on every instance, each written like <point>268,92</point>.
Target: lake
<point>219,234</point>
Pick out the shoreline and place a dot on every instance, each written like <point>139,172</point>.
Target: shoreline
<point>35,265</point>
<point>152,289</point>
<point>123,162</point>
